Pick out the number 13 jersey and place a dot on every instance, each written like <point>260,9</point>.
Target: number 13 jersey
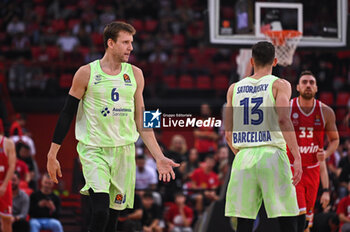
<point>105,115</point>
<point>255,119</point>
<point>309,130</point>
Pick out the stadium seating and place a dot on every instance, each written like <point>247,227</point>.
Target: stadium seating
<point>97,39</point>
<point>170,81</point>
<point>151,25</point>
<point>343,98</point>
<point>66,80</point>
<point>203,82</point>
<point>326,98</point>
<point>220,82</point>
<point>185,82</point>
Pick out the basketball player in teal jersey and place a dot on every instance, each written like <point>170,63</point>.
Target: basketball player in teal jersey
<point>108,96</point>
<point>257,134</point>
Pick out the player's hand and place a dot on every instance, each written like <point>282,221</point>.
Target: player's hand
<point>297,171</point>
<point>147,229</point>
<point>321,155</point>
<point>324,199</point>
<point>53,168</point>
<point>165,169</point>
<point>2,189</point>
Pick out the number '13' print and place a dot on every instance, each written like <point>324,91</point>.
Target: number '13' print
<point>255,110</point>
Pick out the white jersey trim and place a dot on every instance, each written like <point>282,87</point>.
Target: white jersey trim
<point>313,108</point>
<point>311,166</point>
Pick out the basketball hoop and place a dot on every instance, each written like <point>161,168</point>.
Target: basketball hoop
<point>285,42</point>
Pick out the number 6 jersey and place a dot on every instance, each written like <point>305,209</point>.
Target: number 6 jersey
<point>309,130</point>
<point>255,120</point>
<point>105,115</point>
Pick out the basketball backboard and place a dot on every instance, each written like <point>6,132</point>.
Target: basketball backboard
<point>241,22</point>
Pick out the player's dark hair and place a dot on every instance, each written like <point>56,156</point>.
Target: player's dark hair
<point>263,53</point>
<point>306,72</point>
<point>112,30</point>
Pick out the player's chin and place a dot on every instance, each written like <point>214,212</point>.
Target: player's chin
<point>126,58</point>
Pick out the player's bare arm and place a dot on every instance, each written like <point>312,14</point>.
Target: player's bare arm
<point>331,132</point>
<point>325,198</point>
<point>164,165</point>
<point>77,91</point>
<point>282,93</point>
<point>343,218</point>
<point>10,151</point>
<point>229,119</point>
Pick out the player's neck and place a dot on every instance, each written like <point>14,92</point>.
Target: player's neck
<point>261,72</point>
<point>306,104</point>
<point>110,65</point>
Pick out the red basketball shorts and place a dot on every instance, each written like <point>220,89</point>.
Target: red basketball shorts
<point>307,189</point>
<point>6,201</point>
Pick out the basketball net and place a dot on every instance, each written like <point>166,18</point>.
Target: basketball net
<point>285,42</point>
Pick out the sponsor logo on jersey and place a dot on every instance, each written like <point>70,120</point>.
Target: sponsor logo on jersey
<point>2,168</point>
<point>97,78</point>
<point>308,149</point>
<point>121,111</point>
<point>126,78</point>
<point>105,111</point>
<point>317,120</point>
<point>120,199</point>
<point>295,115</point>
<point>295,122</point>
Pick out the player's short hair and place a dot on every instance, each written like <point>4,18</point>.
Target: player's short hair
<point>307,72</point>
<point>111,31</point>
<point>263,53</point>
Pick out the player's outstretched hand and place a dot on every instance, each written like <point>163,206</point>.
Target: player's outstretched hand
<point>165,169</point>
<point>297,171</point>
<point>325,199</point>
<point>54,169</point>
<point>321,155</point>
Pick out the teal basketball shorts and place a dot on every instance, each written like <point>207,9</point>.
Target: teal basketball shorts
<point>110,170</point>
<point>261,174</point>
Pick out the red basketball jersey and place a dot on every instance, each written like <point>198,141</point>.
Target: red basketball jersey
<point>3,161</point>
<point>309,130</point>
